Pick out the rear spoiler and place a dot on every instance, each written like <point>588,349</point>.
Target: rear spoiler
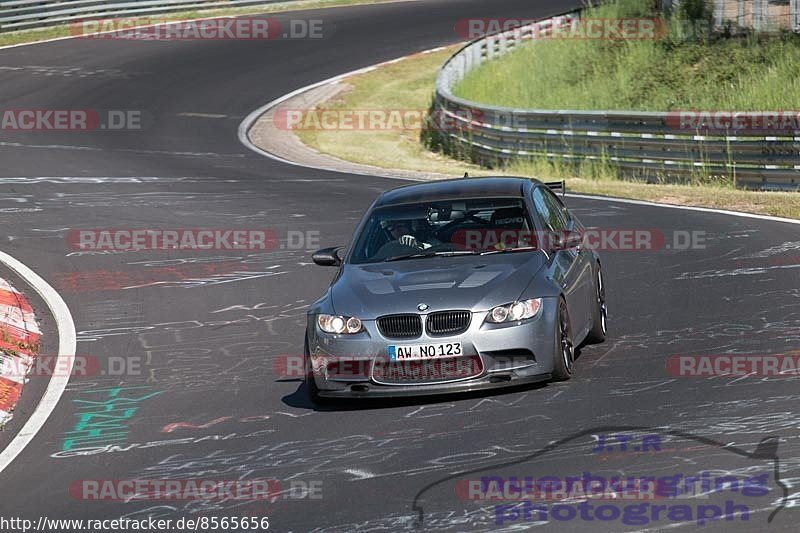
<point>557,186</point>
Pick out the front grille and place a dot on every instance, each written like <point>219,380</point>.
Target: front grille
<point>448,322</point>
<point>427,371</point>
<point>400,326</point>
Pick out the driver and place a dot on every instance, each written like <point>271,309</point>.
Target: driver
<point>401,232</point>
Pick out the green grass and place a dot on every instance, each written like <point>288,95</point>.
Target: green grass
<point>408,85</point>
<point>400,86</point>
<point>63,30</point>
<point>747,73</point>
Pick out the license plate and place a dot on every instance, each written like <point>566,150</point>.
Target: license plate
<point>410,352</point>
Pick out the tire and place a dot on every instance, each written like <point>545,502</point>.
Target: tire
<point>600,312</point>
<point>312,391</point>
<point>564,356</point>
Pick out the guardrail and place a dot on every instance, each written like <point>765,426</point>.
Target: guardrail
<point>648,146</point>
<point>28,14</point>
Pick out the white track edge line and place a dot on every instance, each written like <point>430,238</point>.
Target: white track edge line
<point>250,120</point>
<point>686,208</point>
<point>66,354</point>
<point>65,37</point>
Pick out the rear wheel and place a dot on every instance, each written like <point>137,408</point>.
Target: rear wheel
<point>565,350</point>
<point>600,313</point>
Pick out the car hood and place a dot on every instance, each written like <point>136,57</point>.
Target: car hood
<point>476,283</point>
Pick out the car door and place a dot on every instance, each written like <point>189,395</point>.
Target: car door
<point>584,258</point>
<point>569,265</point>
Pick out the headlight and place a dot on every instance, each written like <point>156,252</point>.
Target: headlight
<point>339,324</point>
<point>515,311</point>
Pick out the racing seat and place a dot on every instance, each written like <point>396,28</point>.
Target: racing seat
<point>511,219</point>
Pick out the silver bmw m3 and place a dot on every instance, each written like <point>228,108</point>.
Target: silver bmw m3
<point>454,286</point>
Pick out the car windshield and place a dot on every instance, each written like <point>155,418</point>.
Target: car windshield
<point>443,228</point>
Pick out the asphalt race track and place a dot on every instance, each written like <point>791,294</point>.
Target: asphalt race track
<point>210,328</point>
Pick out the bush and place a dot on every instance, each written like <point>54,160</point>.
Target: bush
<point>697,10</point>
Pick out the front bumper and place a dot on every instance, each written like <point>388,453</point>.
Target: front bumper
<point>400,391</point>
<point>346,366</point>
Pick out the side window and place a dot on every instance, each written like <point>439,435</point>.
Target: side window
<point>370,241</point>
<point>549,209</point>
<point>559,206</point>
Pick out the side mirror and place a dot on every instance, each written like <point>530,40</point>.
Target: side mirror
<point>327,257</point>
<point>573,239</point>
<point>565,240</point>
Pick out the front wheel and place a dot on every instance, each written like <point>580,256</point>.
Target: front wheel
<point>600,312</point>
<point>312,391</point>
<point>564,356</point>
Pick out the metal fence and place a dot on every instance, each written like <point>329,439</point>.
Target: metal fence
<point>651,146</point>
<point>27,14</point>
<point>758,15</point>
